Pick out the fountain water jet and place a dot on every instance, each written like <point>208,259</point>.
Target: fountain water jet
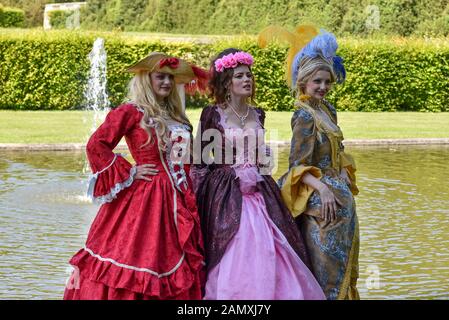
<point>95,92</point>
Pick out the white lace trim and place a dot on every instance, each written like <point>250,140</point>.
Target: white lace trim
<point>139,108</point>
<point>159,275</point>
<point>175,205</point>
<point>114,190</point>
<point>180,176</point>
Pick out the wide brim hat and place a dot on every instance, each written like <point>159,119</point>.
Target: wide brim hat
<point>181,70</point>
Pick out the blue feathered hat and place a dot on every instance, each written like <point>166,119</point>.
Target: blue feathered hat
<point>324,45</point>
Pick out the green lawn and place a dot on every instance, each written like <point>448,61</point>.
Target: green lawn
<point>74,126</point>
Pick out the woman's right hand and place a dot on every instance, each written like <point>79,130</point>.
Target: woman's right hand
<point>328,203</point>
<point>144,170</point>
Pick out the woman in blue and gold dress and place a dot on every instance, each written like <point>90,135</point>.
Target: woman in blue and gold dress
<point>320,184</point>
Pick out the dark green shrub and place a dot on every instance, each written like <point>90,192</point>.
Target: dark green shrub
<point>11,17</point>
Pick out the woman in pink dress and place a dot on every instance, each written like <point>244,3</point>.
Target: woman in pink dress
<point>145,242</point>
<point>253,247</point>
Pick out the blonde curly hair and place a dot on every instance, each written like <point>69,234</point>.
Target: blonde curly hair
<point>141,93</point>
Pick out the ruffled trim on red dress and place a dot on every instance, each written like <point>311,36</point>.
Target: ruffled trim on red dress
<point>187,273</point>
<point>104,185</point>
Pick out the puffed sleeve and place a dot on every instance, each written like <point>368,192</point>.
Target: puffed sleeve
<point>303,138</point>
<point>200,168</point>
<point>111,173</point>
<point>294,192</point>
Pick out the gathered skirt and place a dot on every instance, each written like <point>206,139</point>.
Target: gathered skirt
<point>259,263</point>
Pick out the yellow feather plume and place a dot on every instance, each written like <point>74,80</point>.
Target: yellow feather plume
<point>297,40</point>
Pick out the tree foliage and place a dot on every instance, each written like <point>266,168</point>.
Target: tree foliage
<point>350,17</point>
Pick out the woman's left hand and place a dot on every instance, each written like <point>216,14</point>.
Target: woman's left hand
<point>145,170</point>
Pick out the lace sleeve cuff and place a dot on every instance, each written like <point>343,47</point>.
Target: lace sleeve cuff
<point>105,184</point>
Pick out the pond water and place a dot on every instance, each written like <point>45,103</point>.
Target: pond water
<point>403,210</point>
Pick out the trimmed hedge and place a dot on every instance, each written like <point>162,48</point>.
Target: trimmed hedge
<point>48,71</point>
<point>396,75</point>
<point>11,17</point>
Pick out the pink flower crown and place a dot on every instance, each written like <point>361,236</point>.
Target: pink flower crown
<point>232,60</point>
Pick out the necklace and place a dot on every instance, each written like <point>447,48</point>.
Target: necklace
<point>164,105</point>
<point>314,103</point>
<point>242,118</point>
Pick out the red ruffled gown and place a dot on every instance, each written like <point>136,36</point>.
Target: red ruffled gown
<point>145,242</point>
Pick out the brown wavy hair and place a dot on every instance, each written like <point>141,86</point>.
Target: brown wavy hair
<point>220,81</point>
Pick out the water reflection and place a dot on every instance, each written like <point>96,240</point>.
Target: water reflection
<point>42,221</point>
<point>403,210</point>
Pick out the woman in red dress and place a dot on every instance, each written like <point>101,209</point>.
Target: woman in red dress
<point>145,242</point>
